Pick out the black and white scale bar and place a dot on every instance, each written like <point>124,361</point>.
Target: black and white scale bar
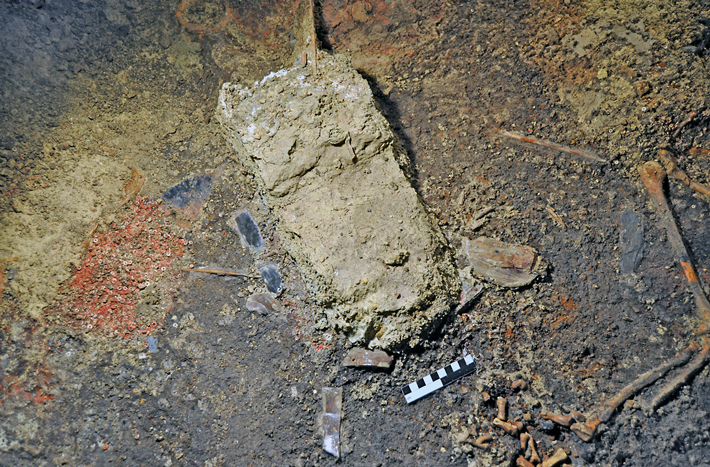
<point>439,379</point>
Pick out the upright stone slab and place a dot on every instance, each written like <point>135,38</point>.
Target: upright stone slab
<point>331,171</point>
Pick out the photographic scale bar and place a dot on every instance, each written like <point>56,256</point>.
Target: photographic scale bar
<point>439,379</point>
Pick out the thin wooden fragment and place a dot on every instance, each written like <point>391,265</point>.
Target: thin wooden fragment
<point>555,217</point>
<point>588,155</point>
<point>690,118</point>
<point>220,272</point>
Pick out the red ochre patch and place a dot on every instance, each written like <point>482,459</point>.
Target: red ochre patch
<point>125,283</point>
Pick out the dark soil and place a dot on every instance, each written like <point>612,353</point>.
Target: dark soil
<point>109,85</point>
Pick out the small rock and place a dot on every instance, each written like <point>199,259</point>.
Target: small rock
<point>547,427</point>
<point>190,195</point>
<point>152,344</point>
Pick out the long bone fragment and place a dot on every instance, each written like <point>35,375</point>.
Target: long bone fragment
<point>653,176</point>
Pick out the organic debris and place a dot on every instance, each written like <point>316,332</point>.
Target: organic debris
<point>653,177</point>
<point>502,403</point>
<point>113,290</point>
<point>672,169</point>
<point>684,378</point>
<point>483,441</point>
<point>586,429</point>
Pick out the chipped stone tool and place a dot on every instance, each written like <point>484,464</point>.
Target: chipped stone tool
<point>332,411</point>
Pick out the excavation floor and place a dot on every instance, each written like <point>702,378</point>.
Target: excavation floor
<point>111,354</point>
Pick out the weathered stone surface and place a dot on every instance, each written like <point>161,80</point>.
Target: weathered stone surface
<point>331,171</point>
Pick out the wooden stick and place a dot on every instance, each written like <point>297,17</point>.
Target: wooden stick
<point>220,272</point>
<point>550,145</point>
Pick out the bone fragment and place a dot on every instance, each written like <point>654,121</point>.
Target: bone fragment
<point>361,358</point>
<point>559,457</point>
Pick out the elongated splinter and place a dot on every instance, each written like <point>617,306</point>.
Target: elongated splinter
<point>220,272</point>
<point>588,155</point>
<point>653,176</point>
